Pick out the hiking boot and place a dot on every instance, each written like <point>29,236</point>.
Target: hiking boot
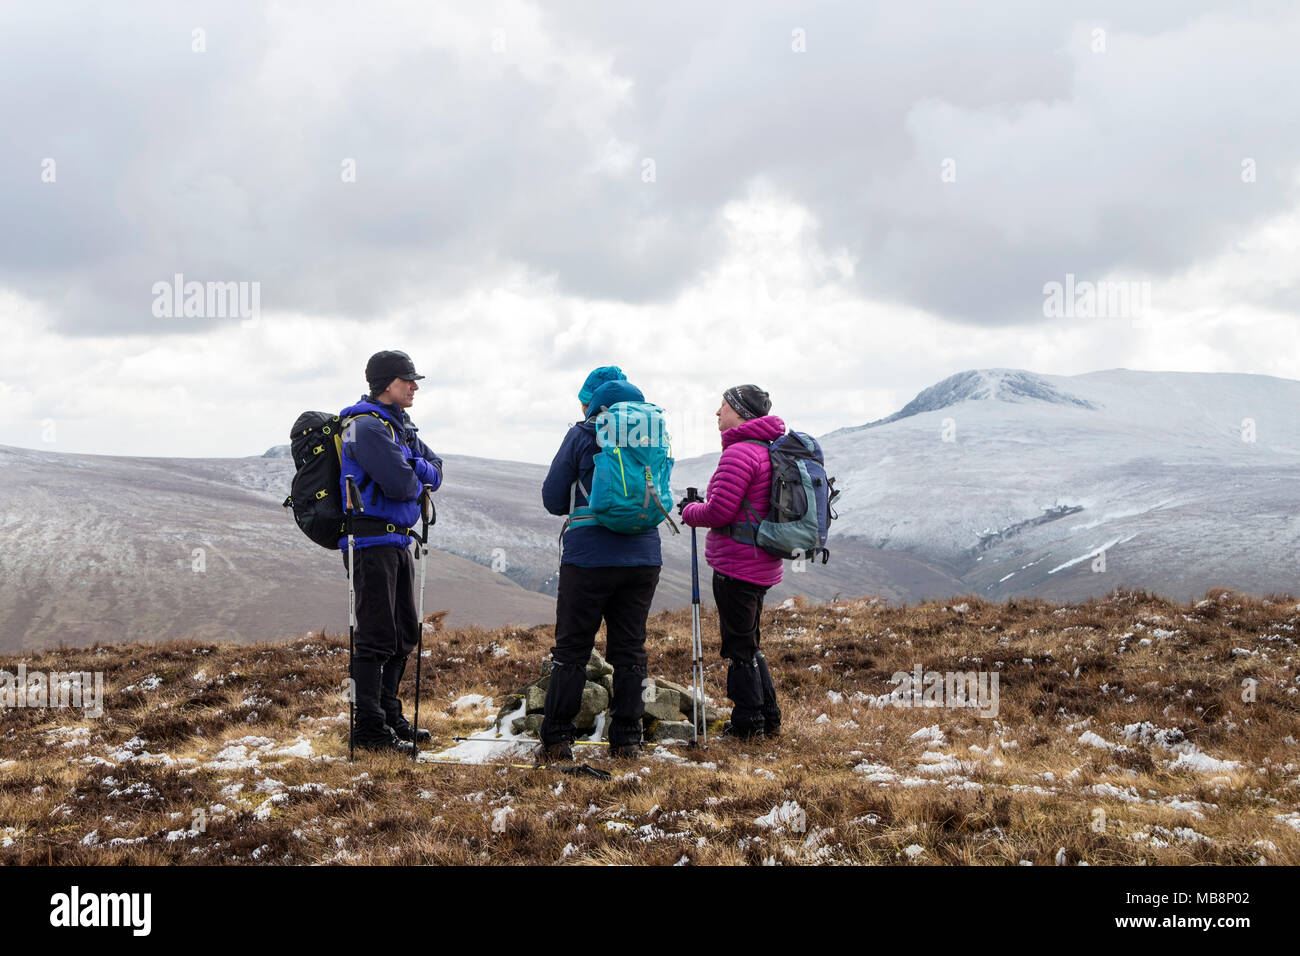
<point>402,731</point>
<point>560,752</point>
<point>744,734</point>
<point>386,742</point>
<point>625,751</point>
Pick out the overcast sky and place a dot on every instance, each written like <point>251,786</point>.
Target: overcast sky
<point>841,202</point>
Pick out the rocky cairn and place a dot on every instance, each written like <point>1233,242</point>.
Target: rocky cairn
<point>667,706</point>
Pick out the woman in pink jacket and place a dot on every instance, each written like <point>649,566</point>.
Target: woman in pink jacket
<point>742,573</point>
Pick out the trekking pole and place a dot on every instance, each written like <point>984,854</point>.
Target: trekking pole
<point>352,496</point>
<point>570,769</point>
<point>531,743</point>
<point>422,555</point>
<point>697,644</point>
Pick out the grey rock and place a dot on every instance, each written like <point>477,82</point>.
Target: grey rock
<point>684,695</point>
<point>598,667</point>
<point>530,724</point>
<point>690,709</point>
<point>594,700</point>
<point>536,697</point>
<point>670,730</point>
<point>511,704</point>
<point>716,723</point>
<point>666,704</point>
<point>682,691</point>
<point>712,716</point>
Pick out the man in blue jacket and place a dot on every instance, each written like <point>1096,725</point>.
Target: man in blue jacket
<point>390,466</point>
<point>603,574</point>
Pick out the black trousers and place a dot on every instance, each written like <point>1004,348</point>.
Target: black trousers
<point>620,596</point>
<point>749,681</point>
<point>387,630</point>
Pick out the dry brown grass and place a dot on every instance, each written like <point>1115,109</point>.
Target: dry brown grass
<point>1018,787</point>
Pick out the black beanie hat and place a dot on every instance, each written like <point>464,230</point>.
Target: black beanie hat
<point>748,401</point>
<point>383,367</point>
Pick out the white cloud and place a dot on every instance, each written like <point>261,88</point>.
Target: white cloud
<point>504,362</point>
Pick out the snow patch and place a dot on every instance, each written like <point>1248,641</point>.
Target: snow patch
<point>788,815</point>
<point>1203,763</point>
<point>932,734</point>
<point>1092,554</point>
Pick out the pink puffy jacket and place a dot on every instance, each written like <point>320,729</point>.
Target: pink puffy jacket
<point>744,471</point>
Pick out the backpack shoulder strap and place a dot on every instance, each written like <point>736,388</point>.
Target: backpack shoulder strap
<point>387,424</point>
<point>573,494</point>
<point>348,420</point>
<point>745,531</point>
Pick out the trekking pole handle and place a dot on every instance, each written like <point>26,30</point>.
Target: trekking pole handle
<point>693,494</point>
<point>428,513</point>
<point>353,496</point>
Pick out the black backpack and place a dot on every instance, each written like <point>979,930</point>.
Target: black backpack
<point>316,443</point>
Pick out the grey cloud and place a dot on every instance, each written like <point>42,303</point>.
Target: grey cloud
<point>175,162</point>
<point>858,126</point>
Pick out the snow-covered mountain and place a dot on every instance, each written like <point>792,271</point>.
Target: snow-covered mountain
<point>1019,482</point>
<point>1007,385</point>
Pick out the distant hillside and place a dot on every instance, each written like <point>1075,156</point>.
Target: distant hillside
<point>1002,482</point>
<point>99,548</point>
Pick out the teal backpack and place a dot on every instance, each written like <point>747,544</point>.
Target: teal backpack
<point>630,484</point>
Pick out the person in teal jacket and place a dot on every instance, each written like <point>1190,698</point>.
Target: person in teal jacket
<point>604,575</point>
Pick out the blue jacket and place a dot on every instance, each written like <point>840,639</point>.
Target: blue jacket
<point>389,468</point>
<point>594,546</point>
